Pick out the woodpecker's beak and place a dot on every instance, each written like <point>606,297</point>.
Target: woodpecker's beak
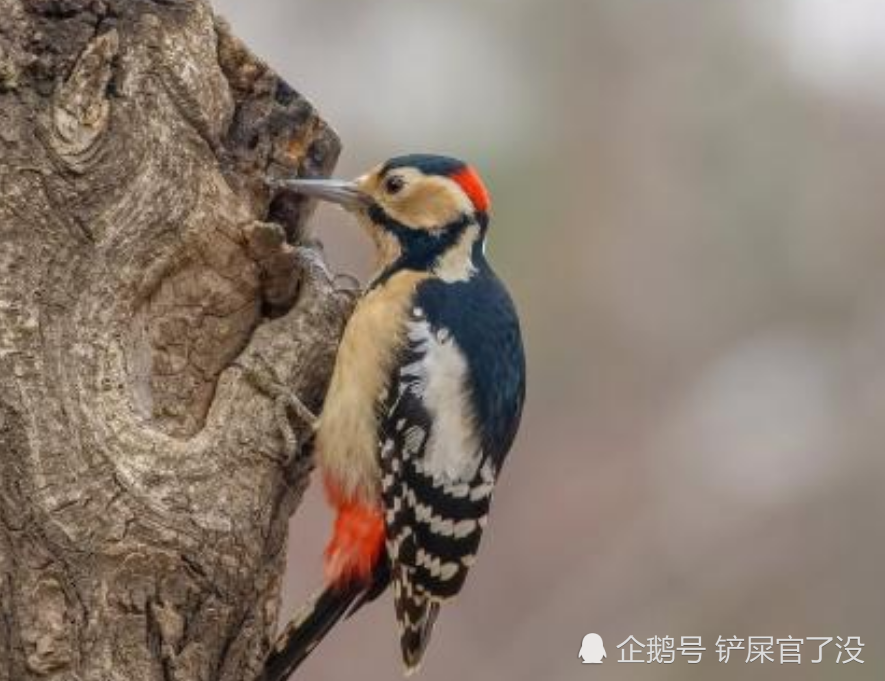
<point>346,194</point>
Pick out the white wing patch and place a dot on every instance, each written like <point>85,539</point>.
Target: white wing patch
<point>439,379</point>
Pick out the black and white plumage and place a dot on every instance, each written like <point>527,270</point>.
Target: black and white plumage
<point>451,415</point>
<point>423,407</point>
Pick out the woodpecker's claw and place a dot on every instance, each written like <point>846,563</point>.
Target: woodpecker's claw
<point>347,283</point>
<point>317,278</point>
<point>264,380</point>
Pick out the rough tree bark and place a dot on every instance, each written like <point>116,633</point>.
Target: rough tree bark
<point>154,300</point>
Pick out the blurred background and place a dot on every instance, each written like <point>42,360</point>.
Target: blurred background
<point>690,212</point>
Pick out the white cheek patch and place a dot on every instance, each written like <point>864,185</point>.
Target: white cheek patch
<point>456,264</point>
<point>440,379</point>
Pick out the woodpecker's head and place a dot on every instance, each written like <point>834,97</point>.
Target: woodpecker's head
<point>421,210</point>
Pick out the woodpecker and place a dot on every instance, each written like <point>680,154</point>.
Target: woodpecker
<point>423,406</point>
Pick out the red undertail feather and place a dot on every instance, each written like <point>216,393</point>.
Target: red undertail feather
<point>356,544</point>
<point>472,185</point>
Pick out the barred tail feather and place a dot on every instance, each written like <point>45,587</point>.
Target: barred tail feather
<point>416,615</point>
<point>414,640</point>
<point>311,625</point>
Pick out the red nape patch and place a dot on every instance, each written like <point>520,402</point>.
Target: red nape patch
<point>472,185</point>
<point>356,544</point>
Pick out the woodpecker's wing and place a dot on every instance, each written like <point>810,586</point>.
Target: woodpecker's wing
<point>438,462</point>
<point>434,520</point>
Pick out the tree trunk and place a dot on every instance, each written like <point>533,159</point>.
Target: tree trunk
<point>156,303</point>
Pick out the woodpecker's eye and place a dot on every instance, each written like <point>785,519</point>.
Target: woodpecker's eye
<point>393,184</point>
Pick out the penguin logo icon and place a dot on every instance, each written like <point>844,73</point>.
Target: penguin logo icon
<point>592,651</point>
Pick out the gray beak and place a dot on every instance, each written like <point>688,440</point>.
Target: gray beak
<point>344,193</point>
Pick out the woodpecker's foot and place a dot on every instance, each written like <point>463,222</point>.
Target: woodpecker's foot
<point>315,275</point>
<point>265,380</point>
<point>348,284</point>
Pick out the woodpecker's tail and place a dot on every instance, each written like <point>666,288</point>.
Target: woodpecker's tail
<point>317,618</point>
<point>415,635</point>
<point>416,616</point>
<point>308,628</point>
